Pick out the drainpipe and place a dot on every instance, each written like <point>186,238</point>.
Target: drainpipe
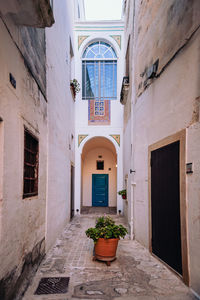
<point>132,174</point>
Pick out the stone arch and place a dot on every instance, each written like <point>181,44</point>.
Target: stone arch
<point>98,149</point>
<point>107,137</point>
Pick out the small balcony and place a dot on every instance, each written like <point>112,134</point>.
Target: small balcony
<point>124,90</point>
<point>34,13</point>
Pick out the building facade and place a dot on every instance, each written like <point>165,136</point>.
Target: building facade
<point>99,123</point>
<point>36,135</point>
<point>161,114</point>
<point>61,120</point>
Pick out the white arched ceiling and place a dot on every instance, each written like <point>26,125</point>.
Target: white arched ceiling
<point>98,142</point>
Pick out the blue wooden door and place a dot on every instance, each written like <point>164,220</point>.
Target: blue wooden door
<point>99,189</point>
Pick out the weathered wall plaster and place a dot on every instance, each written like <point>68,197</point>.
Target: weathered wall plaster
<point>22,220</point>
<point>31,45</point>
<point>168,31</point>
<point>161,29</point>
<point>165,108</point>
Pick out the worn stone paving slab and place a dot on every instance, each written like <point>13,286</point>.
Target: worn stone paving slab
<point>135,274</point>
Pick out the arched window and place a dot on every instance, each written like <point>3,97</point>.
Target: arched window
<point>99,72</point>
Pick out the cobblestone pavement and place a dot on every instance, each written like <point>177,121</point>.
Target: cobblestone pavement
<point>135,274</point>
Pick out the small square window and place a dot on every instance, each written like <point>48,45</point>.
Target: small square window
<point>100,164</point>
<point>31,161</point>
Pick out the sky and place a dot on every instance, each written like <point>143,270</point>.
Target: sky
<point>103,9</point>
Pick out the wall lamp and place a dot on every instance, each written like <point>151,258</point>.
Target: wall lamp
<point>132,171</point>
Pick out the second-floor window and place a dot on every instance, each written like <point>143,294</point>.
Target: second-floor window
<point>99,72</point>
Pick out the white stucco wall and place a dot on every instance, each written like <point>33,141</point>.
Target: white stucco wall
<point>98,31</point>
<point>193,197</point>
<point>128,162</point>
<point>22,223</point>
<point>60,120</point>
<point>127,165</point>
<point>169,105</point>
<point>159,112</point>
<point>89,168</point>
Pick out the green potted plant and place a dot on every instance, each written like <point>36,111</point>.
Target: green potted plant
<point>106,235</point>
<point>75,87</point>
<point>122,193</point>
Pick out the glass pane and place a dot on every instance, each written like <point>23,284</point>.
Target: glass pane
<point>115,80</point>
<point>102,79</point>
<point>95,49</point>
<point>96,79</point>
<point>108,73</point>
<point>105,45</point>
<point>99,56</point>
<point>90,80</point>
<point>90,54</point>
<point>83,81</point>
<point>108,54</point>
<point>93,44</point>
<point>85,52</point>
<point>103,49</point>
<point>113,52</point>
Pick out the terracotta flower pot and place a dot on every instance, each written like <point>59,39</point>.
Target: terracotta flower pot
<point>123,196</point>
<point>105,249</point>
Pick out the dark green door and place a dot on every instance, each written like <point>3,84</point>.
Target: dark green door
<point>99,189</point>
<point>165,205</point>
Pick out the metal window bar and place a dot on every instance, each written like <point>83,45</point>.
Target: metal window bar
<point>31,152</point>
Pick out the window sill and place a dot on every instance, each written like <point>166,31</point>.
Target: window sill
<point>24,197</point>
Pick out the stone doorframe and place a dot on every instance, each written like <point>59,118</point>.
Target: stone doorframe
<point>181,137</point>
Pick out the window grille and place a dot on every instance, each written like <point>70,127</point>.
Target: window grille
<point>31,160</point>
<point>99,72</point>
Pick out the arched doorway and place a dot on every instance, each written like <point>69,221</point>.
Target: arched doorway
<point>99,175</point>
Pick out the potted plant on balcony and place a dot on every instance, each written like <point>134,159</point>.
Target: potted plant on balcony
<point>122,193</point>
<point>75,87</point>
<point>106,235</point>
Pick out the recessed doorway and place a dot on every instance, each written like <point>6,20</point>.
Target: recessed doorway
<point>98,174</point>
<point>165,205</point>
<point>167,194</point>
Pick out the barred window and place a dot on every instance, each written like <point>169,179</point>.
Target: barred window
<point>31,160</point>
<point>99,72</point>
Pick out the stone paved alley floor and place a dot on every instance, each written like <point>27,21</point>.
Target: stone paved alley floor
<point>135,274</point>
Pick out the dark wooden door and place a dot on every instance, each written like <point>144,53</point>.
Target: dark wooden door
<point>72,192</point>
<point>165,205</point>
<point>99,189</point>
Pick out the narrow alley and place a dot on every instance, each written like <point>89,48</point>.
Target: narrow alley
<point>99,113</point>
<point>135,274</point>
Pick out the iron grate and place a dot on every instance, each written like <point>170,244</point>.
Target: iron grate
<point>52,285</point>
